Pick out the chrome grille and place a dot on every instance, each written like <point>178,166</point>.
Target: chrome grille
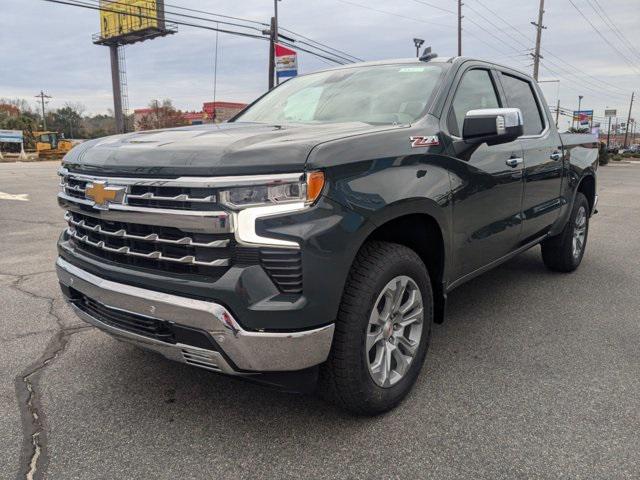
<point>83,224</point>
<point>149,195</point>
<point>148,245</point>
<point>171,225</point>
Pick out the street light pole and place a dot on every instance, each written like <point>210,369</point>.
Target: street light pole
<point>418,43</point>
<point>580,97</point>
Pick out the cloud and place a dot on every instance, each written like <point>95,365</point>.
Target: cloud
<point>48,46</point>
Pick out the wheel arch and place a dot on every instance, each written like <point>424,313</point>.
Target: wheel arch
<point>421,226</point>
<point>587,186</point>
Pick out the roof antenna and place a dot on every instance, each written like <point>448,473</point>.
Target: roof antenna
<point>427,55</point>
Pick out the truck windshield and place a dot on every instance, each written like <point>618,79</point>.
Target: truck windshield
<point>384,94</point>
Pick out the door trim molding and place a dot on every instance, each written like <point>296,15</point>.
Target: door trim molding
<point>465,278</point>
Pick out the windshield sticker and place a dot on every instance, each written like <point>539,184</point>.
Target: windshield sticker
<point>420,141</point>
<point>411,69</point>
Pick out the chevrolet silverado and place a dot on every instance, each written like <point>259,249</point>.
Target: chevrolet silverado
<point>317,234</point>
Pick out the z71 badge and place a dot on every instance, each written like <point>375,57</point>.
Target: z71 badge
<point>421,141</point>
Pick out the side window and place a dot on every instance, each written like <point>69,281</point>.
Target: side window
<point>520,95</point>
<point>475,91</point>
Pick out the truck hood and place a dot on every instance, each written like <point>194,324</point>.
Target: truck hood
<point>212,150</point>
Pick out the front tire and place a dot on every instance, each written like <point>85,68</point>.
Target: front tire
<point>564,252</point>
<point>382,330</point>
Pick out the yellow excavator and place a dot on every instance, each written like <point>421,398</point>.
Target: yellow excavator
<point>51,144</point>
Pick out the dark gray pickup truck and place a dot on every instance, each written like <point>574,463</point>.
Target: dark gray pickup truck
<point>316,235</point>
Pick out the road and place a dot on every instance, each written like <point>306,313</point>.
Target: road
<point>533,375</point>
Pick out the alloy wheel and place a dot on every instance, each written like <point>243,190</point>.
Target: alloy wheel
<point>579,232</point>
<point>394,331</point>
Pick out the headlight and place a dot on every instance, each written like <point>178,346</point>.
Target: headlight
<point>306,190</point>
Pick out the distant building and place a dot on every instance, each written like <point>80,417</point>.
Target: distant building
<point>9,110</point>
<point>211,112</point>
<point>194,118</point>
<point>222,111</point>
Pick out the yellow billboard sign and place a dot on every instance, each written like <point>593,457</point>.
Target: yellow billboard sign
<point>121,18</point>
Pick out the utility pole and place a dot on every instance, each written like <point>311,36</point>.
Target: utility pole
<point>626,131</point>
<point>272,51</point>
<point>608,133</point>
<point>539,27</point>
<point>274,27</point>
<point>42,96</point>
<point>117,91</point>
<point>459,28</point>
<point>558,113</point>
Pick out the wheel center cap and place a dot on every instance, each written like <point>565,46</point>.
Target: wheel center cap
<point>387,331</point>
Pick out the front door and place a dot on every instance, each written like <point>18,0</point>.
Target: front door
<point>486,181</point>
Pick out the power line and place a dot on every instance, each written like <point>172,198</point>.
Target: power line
<point>348,2</point>
<point>547,52</point>
<point>601,35</point>
<point>183,15</point>
<point>605,17</point>
<point>78,3</point>
<point>434,6</point>
<point>326,49</point>
<point>319,43</point>
<point>496,26</point>
<point>509,24</point>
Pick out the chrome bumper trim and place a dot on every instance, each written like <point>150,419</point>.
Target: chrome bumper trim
<point>249,351</point>
<point>178,352</point>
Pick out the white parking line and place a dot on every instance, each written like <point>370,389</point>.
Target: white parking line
<point>22,197</point>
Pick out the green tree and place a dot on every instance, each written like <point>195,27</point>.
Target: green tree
<point>68,120</point>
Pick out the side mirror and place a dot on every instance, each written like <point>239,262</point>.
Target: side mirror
<point>492,125</point>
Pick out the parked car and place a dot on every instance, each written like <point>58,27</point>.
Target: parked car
<point>317,235</point>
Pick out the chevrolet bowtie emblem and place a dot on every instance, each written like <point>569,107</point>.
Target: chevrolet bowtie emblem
<point>103,195</point>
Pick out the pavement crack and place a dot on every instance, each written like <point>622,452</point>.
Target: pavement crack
<point>33,458</point>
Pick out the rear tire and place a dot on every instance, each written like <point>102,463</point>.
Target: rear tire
<point>564,252</point>
<point>382,330</point>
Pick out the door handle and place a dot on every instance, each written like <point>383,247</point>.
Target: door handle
<point>514,162</point>
<point>555,156</point>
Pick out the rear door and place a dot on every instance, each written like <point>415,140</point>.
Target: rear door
<point>542,150</point>
<point>487,191</point>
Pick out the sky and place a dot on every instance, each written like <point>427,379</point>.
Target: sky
<point>47,46</point>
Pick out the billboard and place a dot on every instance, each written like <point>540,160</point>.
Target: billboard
<point>11,136</point>
<point>128,21</point>
<point>286,62</point>
<point>583,117</point>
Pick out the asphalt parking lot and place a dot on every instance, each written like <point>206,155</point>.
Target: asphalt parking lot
<point>533,375</point>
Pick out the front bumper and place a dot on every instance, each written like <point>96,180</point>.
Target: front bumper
<point>238,351</point>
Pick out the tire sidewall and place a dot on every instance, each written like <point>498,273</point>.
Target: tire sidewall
<point>380,397</point>
<point>580,201</point>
